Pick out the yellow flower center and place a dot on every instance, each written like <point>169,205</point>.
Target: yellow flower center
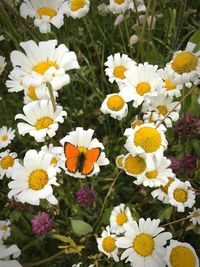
<point>82,149</point>
<point>119,72</point>
<point>119,2</point>
<point>77,4</point>
<point>180,195</point>
<point>115,102</point>
<point>46,11</point>
<point>162,110</point>
<point>136,123</point>
<point>54,161</point>
<point>31,93</point>
<point>7,162</point>
<point>134,165</point>
<point>165,188</point>
<point>182,257</point>
<point>43,66</point>
<point>121,218</point>
<point>4,138</point>
<point>151,175</point>
<point>4,227</point>
<point>120,161</point>
<point>195,213</point>
<point>148,138</point>
<point>143,88</point>
<point>43,123</point>
<point>143,244</point>
<point>184,62</point>
<point>169,85</point>
<point>108,244</point>
<point>38,179</point>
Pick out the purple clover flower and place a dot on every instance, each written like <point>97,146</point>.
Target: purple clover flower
<point>188,125</point>
<point>41,223</point>
<point>86,196</point>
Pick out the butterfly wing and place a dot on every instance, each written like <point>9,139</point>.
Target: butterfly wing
<point>72,155</point>
<point>91,156</point>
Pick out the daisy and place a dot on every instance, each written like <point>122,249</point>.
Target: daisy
<point>40,119</point>
<point>4,230</point>
<point>2,64</point>
<point>141,82</point>
<point>161,193</point>
<point>147,141</point>
<point>117,65</point>
<point>44,62</point>
<point>169,88</point>
<point>6,136</point>
<point>181,195</point>
<point>107,244</point>
<point>144,243</point>
<point>77,8</point>
<point>119,161</point>
<point>180,254</point>
<point>158,176</point>
<point>6,253</point>
<point>140,6</point>
<point>119,216</point>
<point>33,180</point>
<point>7,163</point>
<point>45,13</point>
<point>134,165</point>
<point>114,105</point>
<point>185,65</point>
<point>56,152</point>
<point>83,155</point>
<point>15,83</point>
<point>159,106</point>
<point>195,216</point>
<point>119,6</point>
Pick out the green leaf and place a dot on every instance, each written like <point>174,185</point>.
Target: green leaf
<point>61,238</point>
<point>165,214</point>
<point>196,146</point>
<point>80,227</point>
<point>196,40</point>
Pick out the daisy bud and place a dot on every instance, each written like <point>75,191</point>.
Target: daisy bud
<point>133,40</point>
<point>119,19</point>
<point>151,22</point>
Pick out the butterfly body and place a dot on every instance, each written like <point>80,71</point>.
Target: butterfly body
<point>79,159</point>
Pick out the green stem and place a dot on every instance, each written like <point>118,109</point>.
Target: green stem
<point>177,221</point>
<point>51,258</point>
<point>106,198</point>
<point>16,14</point>
<point>51,95</point>
<point>151,24</point>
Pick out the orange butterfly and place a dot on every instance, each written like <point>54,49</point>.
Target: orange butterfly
<point>80,161</point>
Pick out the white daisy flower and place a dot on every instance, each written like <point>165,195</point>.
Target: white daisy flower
<point>119,6</point>
<point>180,254</point>
<point>107,244</point>
<point>169,88</point>
<point>158,176</point>
<point>141,82</point>
<point>161,193</point>
<point>146,141</point>
<point>114,105</point>
<point>2,64</point>
<point>45,13</point>
<point>44,62</point>
<point>140,6</point>
<point>185,65</point>
<point>119,216</point>
<point>2,38</point>
<point>158,107</point>
<point>181,195</point>
<point>134,165</point>
<point>33,180</point>
<point>7,163</point>
<point>15,83</point>
<point>195,216</point>
<point>119,161</point>
<point>56,152</point>
<point>77,8</point>
<point>41,120</point>
<point>117,65</point>
<point>82,154</point>
<point>7,254</point>
<point>4,230</point>
<point>80,263</point>
<point>144,243</point>
<point>6,136</point>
